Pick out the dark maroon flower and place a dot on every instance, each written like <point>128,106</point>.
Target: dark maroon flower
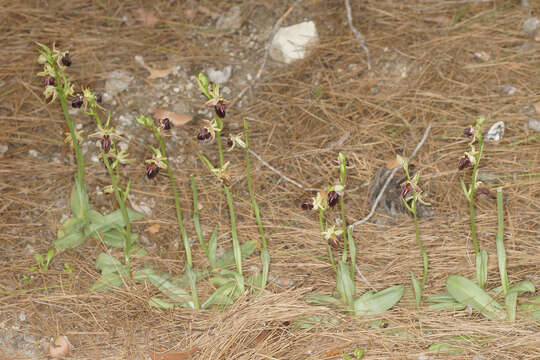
<point>152,170</point>
<point>204,135</point>
<point>333,198</point>
<point>66,60</point>
<point>468,132</point>
<point>229,142</point>
<point>406,189</point>
<point>220,107</point>
<point>77,102</point>
<point>49,81</point>
<point>106,143</point>
<point>334,242</point>
<point>464,162</point>
<point>165,124</point>
<point>307,205</point>
<point>99,98</point>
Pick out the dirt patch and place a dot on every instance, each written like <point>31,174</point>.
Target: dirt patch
<point>439,63</point>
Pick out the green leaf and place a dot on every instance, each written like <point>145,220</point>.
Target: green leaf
<point>523,287</point>
<point>371,303</point>
<point>156,302</point>
<point>38,258</point>
<point>451,305</point>
<point>239,279</point>
<point>114,220</point>
<point>113,238</point>
<point>49,255</point>
<point>417,288</point>
<point>221,296</point>
<point>95,217</point>
<point>79,200</point>
<point>70,240</point>
<point>107,264</point>
<point>482,268</point>
<point>358,353</point>
<point>465,291</point>
<point>107,281</point>
<point>227,259</point>
<point>71,225</point>
<point>265,261</point>
<point>164,284</point>
<point>321,299</point>
<point>192,277</point>
<point>501,252</point>
<point>510,299</point>
<point>312,321</point>
<point>345,285</point>
<point>442,348</point>
<point>440,298</point>
<point>212,248</point>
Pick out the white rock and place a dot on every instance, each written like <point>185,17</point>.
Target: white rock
<point>219,76</point>
<point>531,24</point>
<point>496,131</point>
<point>33,153</point>
<point>510,90</point>
<point>3,149</point>
<point>117,81</point>
<point>534,124</point>
<point>291,43</point>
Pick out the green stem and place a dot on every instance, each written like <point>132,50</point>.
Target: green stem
<point>472,191</point>
<point>185,239</point>
<point>420,244</point>
<point>330,254</point>
<point>236,244</point>
<point>196,219</point>
<point>501,252</point>
<point>473,225</point>
<point>62,96</point>
<point>250,188</point>
<point>123,209</point>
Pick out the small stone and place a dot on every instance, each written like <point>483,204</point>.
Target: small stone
<point>219,76</point>
<point>33,153</point>
<point>3,149</point>
<point>534,124</point>
<point>496,131</point>
<point>231,20</point>
<point>176,89</point>
<point>249,77</point>
<point>510,90</point>
<point>291,43</point>
<point>531,24</point>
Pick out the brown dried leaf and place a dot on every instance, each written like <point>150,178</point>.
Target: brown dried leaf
<point>153,229</point>
<point>174,355</point>
<point>60,348</point>
<point>146,17</point>
<point>176,119</point>
<point>159,73</point>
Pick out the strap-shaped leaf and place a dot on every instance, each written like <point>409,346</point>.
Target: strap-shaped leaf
<point>321,299</point>
<point>510,299</point>
<point>465,291</point>
<point>417,288</point>
<point>164,284</point>
<point>212,248</point>
<point>482,268</point>
<point>113,220</point>
<point>221,296</point>
<point>265,261</point>
<point>192,278</point>
<point>79,200</point>
<point>345,285</point>
<point>371,303</point>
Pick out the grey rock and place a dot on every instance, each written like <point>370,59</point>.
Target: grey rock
<point>219,76</point>
<point>531,24</point>
<point>496,131</point>
<point>231,20</point>
<point>534,124</point>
